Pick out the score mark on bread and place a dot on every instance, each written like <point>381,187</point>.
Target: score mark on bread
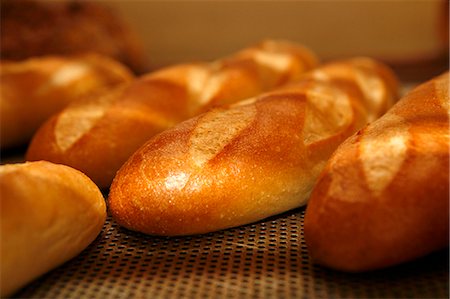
<point>372,87</point>
<point>74,122</point>
<point>65,75</point>
<point>276,61</point>
<point>329,111</point>
<point>216,129</point>
<point>383,152</point>
<point>68,73</point>
<point>204,84</point>
<point>377,97</point>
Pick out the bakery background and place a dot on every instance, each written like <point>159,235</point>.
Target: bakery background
<point>406,34</point>
<point>268,258</point>
<point>412,36</point>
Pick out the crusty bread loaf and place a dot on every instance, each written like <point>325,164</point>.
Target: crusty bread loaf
<point>49,214</point>
<point>98,136</point>
<point>383,197</point>
<point>34,89</point>
<point>235,165</point>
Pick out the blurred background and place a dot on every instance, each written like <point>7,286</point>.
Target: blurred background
<point>412,36</point>
<point>402,33</point>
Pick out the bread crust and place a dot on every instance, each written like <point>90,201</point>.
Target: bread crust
<point>239,164</point>
<point>49,214</point>
<point>383,197</point>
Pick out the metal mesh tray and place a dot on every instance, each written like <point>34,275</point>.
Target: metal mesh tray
<point>268,259</point>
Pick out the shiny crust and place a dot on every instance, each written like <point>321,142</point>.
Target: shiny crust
<point>34,89</point>
<point>236,165</point>
<point>130,116</point>
<point>49,214</point>
<point>383,197</point>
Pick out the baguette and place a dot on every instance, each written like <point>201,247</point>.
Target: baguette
<point>383,197</point>
<point>260,157</point>
<point>34,89</point>
<point>49,214</point>
<point>98,136</point>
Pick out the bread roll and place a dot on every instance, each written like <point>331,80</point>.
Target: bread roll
<point>32,90</point>
<point>49,214</point>
<point>260,157</point>
<point>98,136</point>
<point>383,197</point>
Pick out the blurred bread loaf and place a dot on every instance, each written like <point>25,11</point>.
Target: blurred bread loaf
<point>235,165</point>
<point>49,214</point>
<point>39,28</point>
<point>124,119</point>
<point>383,197</point>
<point>32,90</point>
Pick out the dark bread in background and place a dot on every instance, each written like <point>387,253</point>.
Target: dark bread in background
<point>36,28</point>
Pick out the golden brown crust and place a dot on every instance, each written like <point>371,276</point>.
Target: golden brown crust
<point>34,89</point>
<point>236,165</point>
<point>158,101</point>
<point>49,214</point>
<point>383,196</point>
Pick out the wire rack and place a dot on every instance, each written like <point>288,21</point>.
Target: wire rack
<point>268,259</point>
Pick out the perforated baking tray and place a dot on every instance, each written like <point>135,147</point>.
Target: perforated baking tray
<point>268,259</point>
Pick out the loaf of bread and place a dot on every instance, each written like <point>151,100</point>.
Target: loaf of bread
<point>32,28</point>
<point>34,89</point>
<point>236,165</point>
<point>99,135</point>
<point>49,214</point>
<point>383,197</point>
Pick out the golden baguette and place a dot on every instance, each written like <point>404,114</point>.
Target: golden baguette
<point>383,197</point>
<point>49,214</point>
<point>98,136</point>
<point>260,157</point>
<point>32,90</point>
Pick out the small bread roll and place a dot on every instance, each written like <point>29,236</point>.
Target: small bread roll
<point>49,214</point>
<point>34,89</point>
<point>383,197</point>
